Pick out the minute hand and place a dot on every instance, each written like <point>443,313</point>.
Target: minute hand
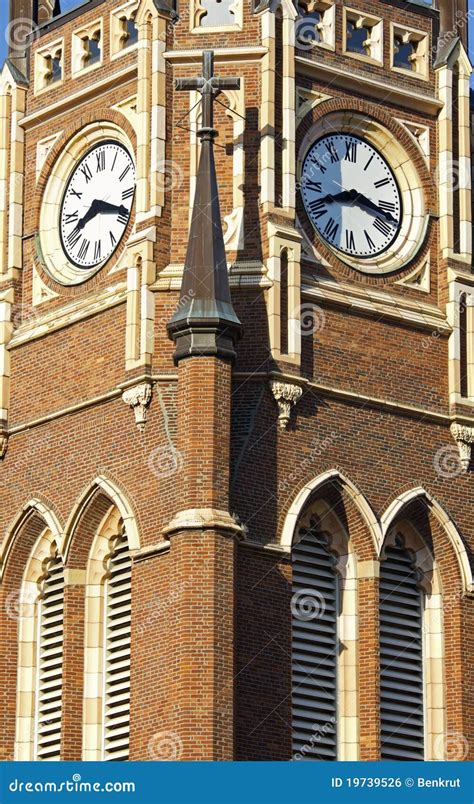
<point>105,207</point>
<point>366,202</point>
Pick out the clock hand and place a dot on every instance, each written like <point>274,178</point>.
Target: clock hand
<point>106,208</point>
<point>100,207</point>
<point>366,202</point>
<point>90,214</point>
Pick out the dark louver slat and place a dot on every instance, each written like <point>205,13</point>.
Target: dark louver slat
<point>117,671</point>
<point>50,660</point>
<point>314,649</point>
<point>401,658</point>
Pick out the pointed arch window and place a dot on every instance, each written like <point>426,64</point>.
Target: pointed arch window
<point>314,648</point>
<point>324,646</point>
<point>40,653</point>
<point>50,661</point>
<point>116,675</point>
<point>106,733</point>
<point>401,657</point>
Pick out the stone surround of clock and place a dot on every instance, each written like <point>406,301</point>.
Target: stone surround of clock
<point>383,179</point>
<point>87,203</point>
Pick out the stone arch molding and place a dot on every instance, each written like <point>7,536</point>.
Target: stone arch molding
<point>117,498</point>
<point>401,501</point>
<point>345,484</point>
<point>51,523</point>
<point>379,526</point>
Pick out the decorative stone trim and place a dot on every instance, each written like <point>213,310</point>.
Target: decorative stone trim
<point>203,518</point>
<point>81,54</point>
<point>286,394</point>
<point>138,398</point>
<point>419,58</point>
<point>45,77</point>
<point>464,437</point>
<point>119,18</point>
<point>325,28</point>
<point>373,45</point>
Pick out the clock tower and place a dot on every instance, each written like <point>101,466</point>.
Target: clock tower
<point>236,381</point>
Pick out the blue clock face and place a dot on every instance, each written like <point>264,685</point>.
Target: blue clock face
<point>351,196</point>
<point>97,205</point>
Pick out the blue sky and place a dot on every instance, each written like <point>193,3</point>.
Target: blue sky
<point>66,4</point>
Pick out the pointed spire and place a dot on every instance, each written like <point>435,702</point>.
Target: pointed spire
<point>205,322</point>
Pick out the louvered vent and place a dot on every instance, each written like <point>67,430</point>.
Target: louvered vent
<point>50,663</point>
<point>401,658</point>
<point>117,654</point>
<point>314,649</point>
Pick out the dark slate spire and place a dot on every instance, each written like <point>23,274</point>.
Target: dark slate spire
<point>205,322</point>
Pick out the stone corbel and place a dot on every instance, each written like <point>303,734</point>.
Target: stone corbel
<point>286,394</point>
<point>138,398</point>
<point>464,437</point>
<point>3,446</point>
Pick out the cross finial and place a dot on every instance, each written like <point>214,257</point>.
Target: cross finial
<point>209,86</point>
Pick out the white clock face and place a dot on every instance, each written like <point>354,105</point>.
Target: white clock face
<point>97,204</point>
<point>351,195</point>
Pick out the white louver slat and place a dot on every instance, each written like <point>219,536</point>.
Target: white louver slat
<point>50,663</point>
<point>401,658</point>
<point>117,654</point>
<point>314,649</point>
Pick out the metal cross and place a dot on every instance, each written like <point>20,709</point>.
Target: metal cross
<point>209,86</point>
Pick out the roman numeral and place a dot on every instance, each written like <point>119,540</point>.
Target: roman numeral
<point>86,172</point>
<point>332,152</point>
<point>74,192</point>
<point>368,163</point>
<point>100,161</point>
<point>382,227</point>
<point>83,250</point>
<point>123,219</point>
<point>387,206</point>
<point>122,175</point>
<point>318,164</point>
<point>318,208</point>
<point>381,183</point>
<point>313,185</point>
<point>112,239</point>
<point>369,240</point>
<point>128,193</point>
<point>74,237</point>
<point>70,218</point>
<point>331,229</point>
<point>97,250</point>
<point>351,152</point>
<point>350,241</point>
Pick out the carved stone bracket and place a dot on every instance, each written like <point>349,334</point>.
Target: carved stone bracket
<point>138,398</point>
<point>286,394</point>
<point>3,446</point>
<point>464,437</point>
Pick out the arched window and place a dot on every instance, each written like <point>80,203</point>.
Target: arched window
<point>40,655</point>
<point>412,707</point>
<point>50,660</point>
<point>117,651</point>
<point>324,649</point>
<point>107,643</point>
<point>401,657</point>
